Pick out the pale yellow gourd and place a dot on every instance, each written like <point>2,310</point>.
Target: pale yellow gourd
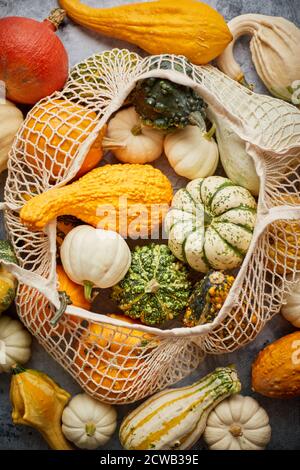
<point>130,140</point>
<point>238,423</point>
<point>15,343</point>
<point>291,308</point>
<point>10,121</point>
<point>192,152</point>
<point>88,423</point>
<point>275,53</point>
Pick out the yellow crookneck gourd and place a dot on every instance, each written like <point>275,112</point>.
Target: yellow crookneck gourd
<point>123,198</point>
<point>189,28</point>
<point>39,402</point>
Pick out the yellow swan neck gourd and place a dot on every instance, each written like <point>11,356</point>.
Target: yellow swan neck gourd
<point>188,28</point>
<point>39,402</point>
<point>109,197</point>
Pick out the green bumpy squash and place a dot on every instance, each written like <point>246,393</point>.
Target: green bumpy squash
<point>8,282</point>
<point>156,288</point>
<point>165,105</point>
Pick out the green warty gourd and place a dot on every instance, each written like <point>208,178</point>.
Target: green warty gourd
<point>156,288</point>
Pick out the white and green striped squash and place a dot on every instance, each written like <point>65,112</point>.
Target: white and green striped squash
<point>210,223</point>
<point>176,418</point>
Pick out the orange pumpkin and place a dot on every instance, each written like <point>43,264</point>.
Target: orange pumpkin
<point>54,132</point>
<point>76,295</point>
<point>284,242</point>
<point>110,357</point>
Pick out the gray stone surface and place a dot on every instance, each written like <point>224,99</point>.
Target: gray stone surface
<point>80,43</point>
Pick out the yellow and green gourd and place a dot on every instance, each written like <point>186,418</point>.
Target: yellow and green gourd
<point>8,282</point>
<point>175,419</point>
<point>207,298</point>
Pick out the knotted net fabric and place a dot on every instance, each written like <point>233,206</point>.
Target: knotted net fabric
<point>115,361</point>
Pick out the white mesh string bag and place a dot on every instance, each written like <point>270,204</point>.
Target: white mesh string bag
<point>120,362</point>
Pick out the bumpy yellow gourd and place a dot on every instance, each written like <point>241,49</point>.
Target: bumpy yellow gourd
<point>188,28</point>
<point>39,402</point>
<point>123,198</point>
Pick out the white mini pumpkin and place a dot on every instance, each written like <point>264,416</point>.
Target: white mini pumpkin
<point>130,140</point>
<point>291,309</point>
<point>88,423</point>
<point>15,343</point>
<point>191,152</point>
<point>210,223</point>
<point>10,121</point>
<point>238,423</point>
<point>94,257</point>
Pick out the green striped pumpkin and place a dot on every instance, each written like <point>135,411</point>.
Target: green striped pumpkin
<point>176,418</point>
<point>210,223</point>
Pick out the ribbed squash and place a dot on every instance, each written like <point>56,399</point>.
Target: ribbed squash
<point>176,418</point>
<point>188,28</point>
<point>54,132</point>
<point>129,199</point>
<point>110,357</point>
<point>8,283</point>
<point>210,224</point>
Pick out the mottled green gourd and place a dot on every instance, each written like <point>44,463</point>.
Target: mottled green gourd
<point>8,282</point>
<point>156,288</point>
<point>207,298</point>
<point>166,105</point>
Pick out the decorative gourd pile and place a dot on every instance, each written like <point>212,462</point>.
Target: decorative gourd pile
<point>210,224</point>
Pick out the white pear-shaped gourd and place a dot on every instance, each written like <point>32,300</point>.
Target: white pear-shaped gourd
<point>15,343</point>
<point>191,152</point>
<point>95,257</point>
<point>274,47</point>
<point>88,423</point>
<point>291,309</point>
<point>130,140</point>
<point>10,121</point>
<point>238,423</point>
<point>237,163</point>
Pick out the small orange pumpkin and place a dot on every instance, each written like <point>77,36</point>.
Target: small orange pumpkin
<point>76,295</point>
<point>54,132</point>
<point>111,357</point>
<point>284,242</point>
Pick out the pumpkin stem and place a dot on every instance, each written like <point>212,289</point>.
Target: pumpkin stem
<point>236,430</point>
<point>111,144</point>
<point>88,287</point>
<point>208,135</point>
<point>196,119</point>
<point>152,287</point>
<point>90,429</point>
<point>55,18</point>
<point>136,130</point>
<point>244,82</point>
<point>64,302</point>
<point>17,369</point>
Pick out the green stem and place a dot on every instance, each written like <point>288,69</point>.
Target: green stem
<point>152,287</point>
<point>64,302</point>
<point>208,135</point>
<point>196,119</point>
<point>17,369</point>
<point>136,130</point>
<point>90,429</point>
<point>88,287</point>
